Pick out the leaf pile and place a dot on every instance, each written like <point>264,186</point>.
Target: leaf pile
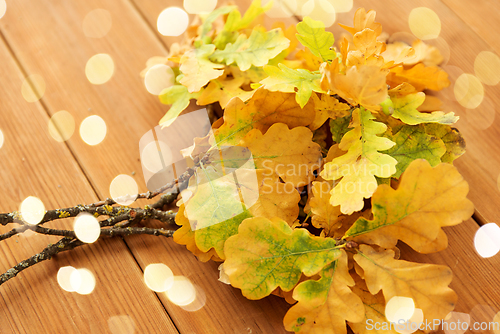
<point>323,159</point>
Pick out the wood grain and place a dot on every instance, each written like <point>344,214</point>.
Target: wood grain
<point>33,164</point>
<point>130,111</point>
<point>48,40</point>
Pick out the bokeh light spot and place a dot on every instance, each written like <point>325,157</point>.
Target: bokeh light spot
<point>99,68</point>
<point>32,210</point>
<point>487,68</point>
<point>87,228</point>
<point>159,77</point>
<point>156,155</point>
<point>33,88</point>
<point>1,138</point>
<point>97,23</point>
<point>3,8</point>
<point>469,91</point>
<point>399,309</point>
<point>182,292</point>
<point>123,189</point>
<point>158,277</point>
<point>281,8</point>
<point>172,21</point>
<point>199,301</point>
<point>323,11</point>
<point>121,324</point>
<point>199,6</point>
<point>93,130</point>
<point>487,240</point>
<point>82,281</point>
<point>456,323</point>
<point>342,6</point>
<point>61,126</point>
<point>424,23</point>
<point>483,117</point>
<point>63,278</point>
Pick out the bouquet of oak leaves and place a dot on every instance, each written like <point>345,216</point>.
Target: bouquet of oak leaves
<point>348,155</point>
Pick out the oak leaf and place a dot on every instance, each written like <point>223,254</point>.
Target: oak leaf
<point>426,284</point>
<point>362,162</point>
<point>453,140</point>
<point>223,91</point>
<point>327,106</point>
<point>185,236</point>
<point>215,208</point>
<point>178,96</point>
<point>420,76</point>
<point>324,215</point>
<point>374,321</point>
<point>255,50</point>
<point>426,199</point>
<point>288,80</point>
<point>266,254</point>
<point>364,85</point>
<point>324,305</point>
<point>293,156</point>
<point>412,142</point>
<point>405,109</point>
<point>363,20</point>
<point>198,70</point>
<point>312,34</point>
<point>264,109</point>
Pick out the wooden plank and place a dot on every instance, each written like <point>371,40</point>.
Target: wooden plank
<point>54,34</point>
<point>480,17</point>
<point>33,164</point>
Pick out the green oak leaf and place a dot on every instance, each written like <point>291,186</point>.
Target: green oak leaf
<point>179,97</point>
<point>215,209</point>
<point>288,80</point>
<point>339,127</point>
<point>412,142</point>
<point>268,254</point>
<point>405,109</point>
<point>312,35</point>
<point>453,140</point>
<point>255,50</point>
<point>325,305</point>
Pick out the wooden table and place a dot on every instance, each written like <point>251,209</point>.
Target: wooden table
<point>46,38</point>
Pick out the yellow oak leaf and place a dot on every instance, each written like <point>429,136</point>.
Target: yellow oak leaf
<point>324,305</point>
<point>223,91</point>
<point>324,215</point>
<point>290,35</point>
<point>364,85</point>
<point>374,321</point>
<point>185,236</point>
<point>264,109</point>
<point>426,199</point>
<point>327,106</point>
<point>405,109</point>
<point>266,254</point>
<point>419,76</point>
<point>363,20</point>
<point>366,42</point>
<point>362,162</point>
<point>426,284</point>
<point>198,70</point>
<point>290,153</point>
<point>308,60</point>
<point>273,197</point>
